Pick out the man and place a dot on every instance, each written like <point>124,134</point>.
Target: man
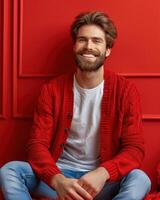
<point>86,141</point>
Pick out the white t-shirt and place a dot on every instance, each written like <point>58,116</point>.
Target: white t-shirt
<point>82,148</point>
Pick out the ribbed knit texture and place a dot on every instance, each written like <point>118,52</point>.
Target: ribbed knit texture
<point>121,140</point>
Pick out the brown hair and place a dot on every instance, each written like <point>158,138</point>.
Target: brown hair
<point>96,18</point>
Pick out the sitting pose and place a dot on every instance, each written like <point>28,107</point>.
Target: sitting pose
<point>86,141</point>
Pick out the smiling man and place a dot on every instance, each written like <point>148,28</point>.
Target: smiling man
<point>86,141</point>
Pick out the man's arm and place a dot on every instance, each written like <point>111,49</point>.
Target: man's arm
<point>37,148</point>
<point>39,156</point>
<point>132,143</point>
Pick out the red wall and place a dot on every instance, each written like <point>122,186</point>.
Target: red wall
<point>35,45</point>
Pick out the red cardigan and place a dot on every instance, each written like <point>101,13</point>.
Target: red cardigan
<point>121,140</point>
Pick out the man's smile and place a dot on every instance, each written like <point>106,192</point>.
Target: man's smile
<point>88,55</point>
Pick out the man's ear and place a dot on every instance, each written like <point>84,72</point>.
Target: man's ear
<point>108,51</point>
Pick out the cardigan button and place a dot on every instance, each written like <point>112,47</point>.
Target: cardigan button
<point>66,130</point>
<point>69,115</point>
<point>62,145</point>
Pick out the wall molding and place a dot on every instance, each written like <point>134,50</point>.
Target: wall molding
<point>16,15</point>
<point>17,64</point>
<point>129,75</point>
<point>21,116</point>
<point>4,57</point>
<point>17,58</point>
<point>19,4</point>
<point>145,117</point>
<point>150,117</point>
<point>141,75</point>
<point>20,44</point>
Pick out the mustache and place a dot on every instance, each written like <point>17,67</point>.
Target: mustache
<point>86,51</point>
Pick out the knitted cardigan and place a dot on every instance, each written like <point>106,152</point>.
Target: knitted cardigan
<point>121,140</point>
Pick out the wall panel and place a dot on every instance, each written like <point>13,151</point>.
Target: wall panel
<point>151,135</point>
<point>1,57</point>
<point>39,51</point>
<point>148,86</point>
<point>35,58</point>
<point>3,21</point>
<point>37,54</point>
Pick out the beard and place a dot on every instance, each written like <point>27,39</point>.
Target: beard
<point>87,65</point>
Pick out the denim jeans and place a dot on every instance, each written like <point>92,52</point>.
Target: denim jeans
<point>18,182</point>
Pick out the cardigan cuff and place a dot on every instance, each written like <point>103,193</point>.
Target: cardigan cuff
<point>47,175</point>
<point>112,170</point>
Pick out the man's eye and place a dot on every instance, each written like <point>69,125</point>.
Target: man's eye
<point>97,41</point>
<point>81,39</point>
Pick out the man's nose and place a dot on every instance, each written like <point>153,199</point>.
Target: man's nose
<point>89,44</point>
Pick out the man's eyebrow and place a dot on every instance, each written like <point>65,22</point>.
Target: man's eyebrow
<point>98,38</point>
<point>95,38</point>
<point>81,36</point>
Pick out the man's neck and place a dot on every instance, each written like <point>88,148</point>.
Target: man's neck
<point>89,80</point>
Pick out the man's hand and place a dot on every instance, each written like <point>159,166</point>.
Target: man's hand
<point>94,181</point>
<point>69,189</point>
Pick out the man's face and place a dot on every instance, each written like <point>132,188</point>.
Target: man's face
<point>90,48</point>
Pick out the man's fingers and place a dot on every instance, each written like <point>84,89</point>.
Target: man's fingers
<point>68,198</point>
<point>83,193</point>
<point>73,195</point>
<point>90,190</point>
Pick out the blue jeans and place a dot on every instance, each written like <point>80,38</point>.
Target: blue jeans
<point>18,182</point>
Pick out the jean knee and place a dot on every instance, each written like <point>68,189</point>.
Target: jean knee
<point>9,170</point>
<point>8,167</point>
<point>142,177</point>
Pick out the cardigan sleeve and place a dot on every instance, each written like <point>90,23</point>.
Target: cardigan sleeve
<point>131,151</point>
<point>37,148</point>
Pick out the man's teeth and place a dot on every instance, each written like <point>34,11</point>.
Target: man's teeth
<point>89,55</point>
